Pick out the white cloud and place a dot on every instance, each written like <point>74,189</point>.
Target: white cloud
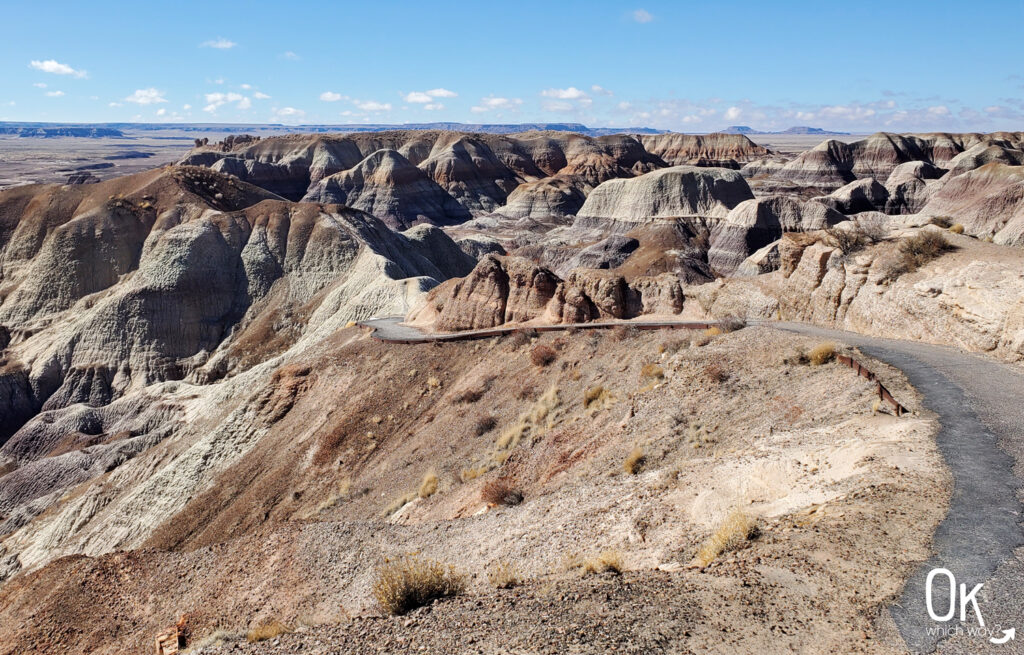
<point>939,110</point>
<point>495,102</point>
<point>642,16</point>
<point>55,67</point>
<point>40,85</point>
<point>286,112</point>
<point>186,107</point>
<point>558,105</point>
<point>422,97</point>
<point>372,105</point>
<point>216,100</point>
<point>161,111</point>
<point>732,113</point>
<point>331,96</point>
<point>290,56</point>
<point>259,95</point>
<point>572,93</point>
<point>601,91</point>
<point>220,43</point>
<point>148,96</point>
<point>55,94</point>
<point>115,104</point>
<point>246,86</point>
<point>433,106</point>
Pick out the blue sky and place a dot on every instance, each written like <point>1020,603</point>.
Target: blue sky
<point>685,65</point>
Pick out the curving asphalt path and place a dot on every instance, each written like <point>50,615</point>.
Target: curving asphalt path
<point>980,405</point>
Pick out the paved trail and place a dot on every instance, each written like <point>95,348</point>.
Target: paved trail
<point>980,405</point>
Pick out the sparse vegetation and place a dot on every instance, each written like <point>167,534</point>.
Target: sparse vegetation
<point>484,424</point>
<point>716,373</point>
<point>501,492</point>
<point>503,575</point>
<point>941,221</point>
<point>957,229</point>
<point>623,332</point>
<point>410,582</point>
<point>428,486</point>
<point>542,355</point>
<point>738,528</point>
<point>731,323</point>
<point>433,383</point>
<point>712,331</point>
<point>518,339</point>
<point>597,398</point>
<point>651,372</point>
<point>918,250</point>
<point>796,357</point>
<point>822,353</point>
<point>609,561</point>
<point>634,461</point>
<point>218,637</point>
<point>848,238</point>
<point>674,345</point>
<point>873,227</point>
<point>267,630</point>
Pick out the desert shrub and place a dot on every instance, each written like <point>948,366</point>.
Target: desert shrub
<point>518,339</point>
<point>712,331</point>
<point>918,250</point>
<point>484,424</point>
<point>266,631</point>
<point>501,492</point>
<point>957,229</point>
<point>737,529</point>
<point>672,346</point>
<point>609,561</point>
<point>848,239</point>
<point>525,391</point>
<point>796,357</point>
<point>433,383</point>
<point>716,373</point>
<point>634,461</point>
<point>470,395</point>
<point>874,228</point>
<point>542,355</point>
<point>623,332</point>
<point>428,486</point>
<point>941,221</point>
<point>651,372</point>
<point>503,575</point>
<point>822,353</point>
<point>410,582</point>
<point>702,339</point>
<point>731,323</point>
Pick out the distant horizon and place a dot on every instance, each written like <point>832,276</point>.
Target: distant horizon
<point>694,67</point>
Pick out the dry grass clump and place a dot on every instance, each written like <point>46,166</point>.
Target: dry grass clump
<point>941,221</point>
<point>519,338</point>
<point>532,422</point>
<point>428,486</point>
<point>737,529</point>
<point>410,582</point>
<point>634,461</point>
<point>503,575</point>
<point>597,398</point>
<point>433,383</point>
<point>651,372</point>
<point>796,357</point>
<point>822,353</point>
<point>849,238</point>
<point>484,424</point>
<point>542,355</point>
<point>703,339</point>
<point>501,492</point>
<point>918,250</point>
<point>470,395</point>
<point>609,561</point>
<point>712,331</point>
<point>957,229</point>
<point>266,631</point>
<point>716,373</point>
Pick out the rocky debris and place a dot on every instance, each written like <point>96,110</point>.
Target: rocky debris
<point>504,290</point>
<point>988,202</point>
<point>862,195</point>
<point>387,186</point>
<point>671,193</point>
<point>605,254</point>
<point>753,224</point>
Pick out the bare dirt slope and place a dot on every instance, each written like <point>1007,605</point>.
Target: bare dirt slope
<point>294,529</point>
